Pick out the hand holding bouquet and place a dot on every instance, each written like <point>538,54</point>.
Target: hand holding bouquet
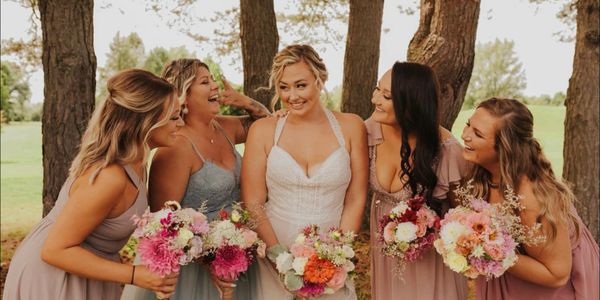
<point>408,230</point>
<point>479,238</point>
<point>231,246</point>
<point>316,263</point>
<point>170,237</point>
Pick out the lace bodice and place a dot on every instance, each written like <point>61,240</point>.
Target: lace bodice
<point>299,200</point>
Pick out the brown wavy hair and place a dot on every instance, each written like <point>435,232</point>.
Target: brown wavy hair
<point>121,125</point>
<point>520,154</point>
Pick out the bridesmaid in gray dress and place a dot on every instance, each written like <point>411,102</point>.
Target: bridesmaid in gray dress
<point>202,167</point>
<point>73,252</point>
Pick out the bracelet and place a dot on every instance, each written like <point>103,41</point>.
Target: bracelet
<point>132,274</point>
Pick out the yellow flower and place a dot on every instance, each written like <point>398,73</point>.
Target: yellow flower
<point>235,216</point>
<point>456,262</point>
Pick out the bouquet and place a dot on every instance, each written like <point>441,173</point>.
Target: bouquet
<point>481,239</point>
<point>408,230</point>
<point>231,245</point>
<point>315,263</point>
<point>170,237</point>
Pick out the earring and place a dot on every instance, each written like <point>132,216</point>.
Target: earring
<point>185,110</point>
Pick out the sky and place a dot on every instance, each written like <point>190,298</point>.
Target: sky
<point>547,62</point>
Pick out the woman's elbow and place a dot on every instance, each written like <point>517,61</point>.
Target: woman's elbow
<point>559,282</point>
<point>49,254</point>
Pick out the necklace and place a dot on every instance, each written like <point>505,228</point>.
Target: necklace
<point>214,128</point>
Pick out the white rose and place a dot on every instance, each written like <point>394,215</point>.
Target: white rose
<point>283,262</point>
<point>298,265</point>
<point>400,208</point>
<point>300,239</point>
<point>406,232</point>
<point>348,266</point>
<point>451,231</point>
<point>348,251</point>
<point>184,236</point>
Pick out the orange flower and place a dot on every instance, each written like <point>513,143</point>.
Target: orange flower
<point>318,271</point>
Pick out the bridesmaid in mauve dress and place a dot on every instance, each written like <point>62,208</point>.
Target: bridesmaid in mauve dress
<point>405,117</point>
<point>73,253</point>
<point>499,140</point>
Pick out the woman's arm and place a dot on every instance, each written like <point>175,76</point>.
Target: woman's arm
<point>253,181</point>
<point>87,206</point>
<point>356,194</point>
<point>547,264</point>
<point>241,125</point>
<point>169,174</point>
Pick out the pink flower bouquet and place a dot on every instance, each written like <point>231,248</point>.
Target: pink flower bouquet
<point>231,245</point>
<point>481,239</point>
<point>408,230</point>
<point>316,263</point>
<point>170,237</point>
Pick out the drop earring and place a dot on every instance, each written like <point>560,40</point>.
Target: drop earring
<point>185,110</point>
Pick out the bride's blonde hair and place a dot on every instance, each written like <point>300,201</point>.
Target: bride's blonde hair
<point>120,126</point>
<point>293,54</point>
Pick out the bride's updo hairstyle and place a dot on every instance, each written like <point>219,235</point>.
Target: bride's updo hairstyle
<point>293,54</point>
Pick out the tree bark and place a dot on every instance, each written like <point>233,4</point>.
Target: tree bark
<point>258,33</point>
<point>69,66</point>
<point>361,59</point>
<point>445,41</point>
<point>581,121</point>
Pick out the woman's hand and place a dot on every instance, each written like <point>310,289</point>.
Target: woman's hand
<point>224,287</point>
<point>229,96</point>
<point>164,287</point>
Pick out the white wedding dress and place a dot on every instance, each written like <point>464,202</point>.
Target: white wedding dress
<point>296,200</point>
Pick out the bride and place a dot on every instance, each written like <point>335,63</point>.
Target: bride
<point>311,165</point>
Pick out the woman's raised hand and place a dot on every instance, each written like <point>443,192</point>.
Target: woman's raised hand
<point>229,96</point>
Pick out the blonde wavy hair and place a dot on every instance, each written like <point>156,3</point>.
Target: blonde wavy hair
<point>118,132</point>
<point>520,154</point>
<point>294,54</point>
<point>181,73</point>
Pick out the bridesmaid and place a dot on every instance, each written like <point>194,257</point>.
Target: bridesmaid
<point>499,140</point>
<point>73,252</point>
<point>411,154</point>
<point>202,166</point>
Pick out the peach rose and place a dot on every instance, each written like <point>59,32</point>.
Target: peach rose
<point>299,250</point>
<point>389,232</point>
<point>338,280</point>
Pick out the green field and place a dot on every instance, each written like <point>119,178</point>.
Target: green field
<point>21,165</point>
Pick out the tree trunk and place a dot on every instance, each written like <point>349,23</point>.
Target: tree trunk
<point>258,32</point>
<point>69,84</point>
<point>445,41</point>
<point>581,120</point>
<point>361,59</point>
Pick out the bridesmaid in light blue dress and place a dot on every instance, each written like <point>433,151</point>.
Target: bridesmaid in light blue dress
<point>203,167</point>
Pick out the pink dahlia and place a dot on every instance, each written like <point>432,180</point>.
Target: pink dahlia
<point>157,254</point>
<point>311,289</point>
<point>230,261</point>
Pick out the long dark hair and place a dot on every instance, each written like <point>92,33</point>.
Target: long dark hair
<point>415,94</point>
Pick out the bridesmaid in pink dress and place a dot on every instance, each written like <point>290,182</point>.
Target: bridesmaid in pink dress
<point>73,253</point>
<point>411,154</point>
<point>499,140</point>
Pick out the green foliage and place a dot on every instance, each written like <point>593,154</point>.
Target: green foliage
<point>125,52</point>
<point>544,99</point>
<point>333,99</point>
<point>14,92</point>
<point>497,72</point>
<point>158,57</point>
